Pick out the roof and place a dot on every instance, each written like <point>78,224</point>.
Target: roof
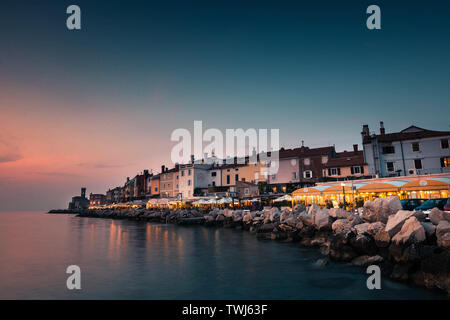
<point>410,133</point>
<point>345,159</point>
<point>304,152</point>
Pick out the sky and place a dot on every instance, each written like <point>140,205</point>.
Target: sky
<point>93,106</point>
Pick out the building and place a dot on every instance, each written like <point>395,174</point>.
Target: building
<point>128,190</point>
<point>215,176</point>
<point>154,186</point>
<point>412,151</point>
<point>347,165</point>
<point>299,167</point>
<point>245,189</point>
<point>140,181</point>
<point>193,177</point>
<point>79,202</point>
<point>97,199</point>
<point>166,183</point>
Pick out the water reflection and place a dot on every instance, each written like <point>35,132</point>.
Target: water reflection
<point>123,259</point>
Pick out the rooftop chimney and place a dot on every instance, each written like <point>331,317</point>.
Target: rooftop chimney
<point>355,147</point>
<point>382,128</point>
<point>163,168</point>
<point>192,158</point>
<point>365,130</point>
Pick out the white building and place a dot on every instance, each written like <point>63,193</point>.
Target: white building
<point>191,177</point>
<point>409,152</point>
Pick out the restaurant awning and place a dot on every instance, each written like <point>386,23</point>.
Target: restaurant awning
<point>439,183</point>
<point>387,186</point>
<point>309,191</point>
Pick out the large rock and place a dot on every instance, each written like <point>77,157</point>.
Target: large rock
<point>354,219</point>
<point>322,220</point>
<point>307,219</point>
<point>380,209</point>
<point>314,208</point>
<point>382,239</point>
<point>375,227</point>
<point>285,214</point>
<point>411,231</point>
<point>298,208</point>
<point>443,234</point>
<point>341,225</point>
<point>430,229</point>
<point>338,213</point>
<point>395,222</point>
<point>366,260</point>
<point>362,228</point>
<point>437,216</point>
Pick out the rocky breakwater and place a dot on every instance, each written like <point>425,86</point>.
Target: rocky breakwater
<point>405,246</point>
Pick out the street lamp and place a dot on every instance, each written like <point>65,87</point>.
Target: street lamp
<point>343,192</point>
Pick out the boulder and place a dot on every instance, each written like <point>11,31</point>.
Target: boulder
<point>437,216</point>
<point>354,219</point>
<point>430,229</point>
<point>266,228</point>
<point>375,227</point>
<point>411,231</point>
<point>395,222</point>
<point>321,262</point>
<point>341,225</point>
<point>443,234</point>
<point>312,209</point>
<point>338,213</point>
<point>366,260</point>
<point>285,214</point>
<point>362,228</point>
<point>322,220</point>
<point>247,217</point>
<point>307,219</point>
<point>291,221</point>
<point>298,208</point>
<point>382,239</point>
<point>380,209</point>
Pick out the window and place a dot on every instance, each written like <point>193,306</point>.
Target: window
<point>390,166</point>
<point>228,179</point>
<point>156,189</point>
<point>189,182</point>
<point>324,159</point>
<point>306,161</point>
<point>445,162</point>
<point>388,150</point>
<point>294,175</point>
<point>334,171</point>
<point>214,183</point>
<point>182,173</point>
<point>356,170</point>
<point>307,174</point>
<point>418,164</point>
<point>236,177</point>
<point>213,174</point>
<point>189,172</point>
<point>444,143</point>
<point>243,179</point>
<point>274,177</point>
<point>237,169</point>
<point>415,147</point>
<point>246,191</point>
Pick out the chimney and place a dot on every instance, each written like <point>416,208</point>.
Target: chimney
<point>365,130</point>
<point>145,172</point>
<point>192,158</point>
<point>303,143</point>
<point>163,168</point>
<point>128,179</point>
<point>83,192</point>
<point>355,147</point>
<point>382,131</point>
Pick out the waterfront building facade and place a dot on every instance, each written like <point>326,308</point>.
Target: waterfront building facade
<point>347,165</point>
<point>192,178</point>
<point>412,151</point>
<point>97,199</point>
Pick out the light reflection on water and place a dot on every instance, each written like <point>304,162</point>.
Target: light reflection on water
<point>122,259</point>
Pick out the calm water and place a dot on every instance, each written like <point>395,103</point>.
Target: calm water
<point>134,260</point>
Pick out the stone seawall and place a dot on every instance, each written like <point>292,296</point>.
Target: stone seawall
<point>405,245</point>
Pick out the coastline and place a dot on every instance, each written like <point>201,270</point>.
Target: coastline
<point>397,246</point>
